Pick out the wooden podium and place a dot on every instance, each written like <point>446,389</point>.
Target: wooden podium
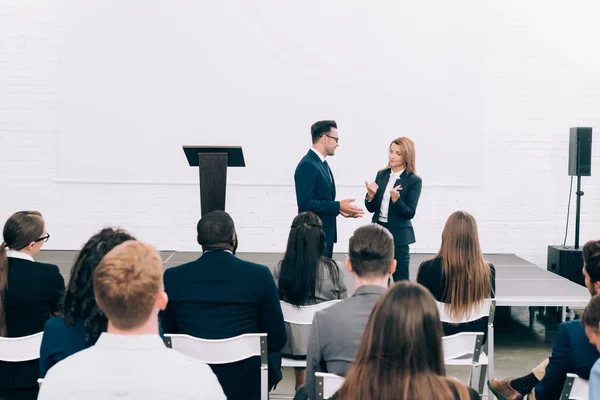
<point>213,162</point>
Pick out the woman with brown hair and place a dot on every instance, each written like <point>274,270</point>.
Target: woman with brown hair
<point>393,199</point>
<point>458,275</point>
<point>401,356</point>
<point>29,294</point>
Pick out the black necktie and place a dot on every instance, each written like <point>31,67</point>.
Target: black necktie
<point>328,170</point>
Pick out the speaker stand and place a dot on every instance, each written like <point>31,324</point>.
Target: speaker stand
<point>579,193</point>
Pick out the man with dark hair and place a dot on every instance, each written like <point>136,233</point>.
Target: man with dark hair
<point>336,331</point>
<point>220,296</point>
<point>571,352</point>
<point>315,186</point>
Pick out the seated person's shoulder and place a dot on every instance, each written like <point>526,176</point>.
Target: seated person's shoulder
<point>55,324</point>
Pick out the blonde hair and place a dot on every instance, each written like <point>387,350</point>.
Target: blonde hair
<point>467,276</point>
<point>407,147</point>
<point>127,282</point>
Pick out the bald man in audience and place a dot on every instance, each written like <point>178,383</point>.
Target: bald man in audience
<point>220,296</point>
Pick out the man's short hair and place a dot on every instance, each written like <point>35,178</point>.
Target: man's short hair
<point>214,229</point>
<point>591,314</point>
<point>591,257</point>
<point>371,251</point>
<point>127,282</point>
<point>321,128</point>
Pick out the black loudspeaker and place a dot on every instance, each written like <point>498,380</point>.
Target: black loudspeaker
<point>566,262</point>
<point>580,152</point>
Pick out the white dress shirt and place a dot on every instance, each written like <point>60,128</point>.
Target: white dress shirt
<point>385,201</point>
<point>136,367</point>
<point>321,156</point>
<point>18,254</point>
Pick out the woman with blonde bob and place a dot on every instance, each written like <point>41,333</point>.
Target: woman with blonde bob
<point>401,356</point>
<point>458,275</point>
<point>393,199</point>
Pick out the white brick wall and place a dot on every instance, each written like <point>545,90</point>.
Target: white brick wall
<point>542,76</point>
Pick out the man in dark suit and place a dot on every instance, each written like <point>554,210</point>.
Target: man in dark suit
<point>571,352</point>
<point>315,185</point>
<point>220,296</point>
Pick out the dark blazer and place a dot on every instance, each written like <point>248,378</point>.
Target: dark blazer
<point>60,341</point>
<point>431,276</point>
<point>33,293</point>
<point>571,352</point>
<point>315,191</point>
<point>403,210</point>
<point>220,296</point>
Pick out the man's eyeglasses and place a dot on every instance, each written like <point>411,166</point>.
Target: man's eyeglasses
<point>44,238</point>
<point>337,139</point>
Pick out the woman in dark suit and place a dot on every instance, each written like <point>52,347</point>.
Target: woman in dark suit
<point>29,294</point>
<point>393,199</point>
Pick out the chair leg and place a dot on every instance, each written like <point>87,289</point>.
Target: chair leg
<point>482,379</point>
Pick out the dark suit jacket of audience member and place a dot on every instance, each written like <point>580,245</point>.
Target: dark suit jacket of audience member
<point>403,210</point>
<point>571,353</point>
<point>315,192</point>
<point>221,296</point>
<point>61,340</point>
<point>430,275</point>
<point>33,293</point>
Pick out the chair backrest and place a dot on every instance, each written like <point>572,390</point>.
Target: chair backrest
<point>327,384</point>
<point>575,388</point>
<point>303,315</point>
<point>486,308</point>
<point>19,349</point>
<point>220,351</point>
<point>462,348</point>
<point>225,351</point>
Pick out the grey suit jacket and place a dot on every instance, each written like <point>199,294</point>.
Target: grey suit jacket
<point>336,333</point>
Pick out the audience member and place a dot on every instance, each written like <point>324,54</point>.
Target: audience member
<point>306,277</point>
<point>81,322</point>
<point>336,331</point>
<point>571,352</point>
<point>130,359</point>
<point>591,322</point>
<point>221,296</point>
<point>400,356</point>
<point>29,294</point>
<point>460,260</point>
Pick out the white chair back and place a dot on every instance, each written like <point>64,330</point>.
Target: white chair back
<point>303,315</point>
<point>327,384</point>
<point>462,348</point>
<point>225,351</point>
<point>465,349</point>
<point>575,388</point>
<point>485,308</point>
<point>19,349</point>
